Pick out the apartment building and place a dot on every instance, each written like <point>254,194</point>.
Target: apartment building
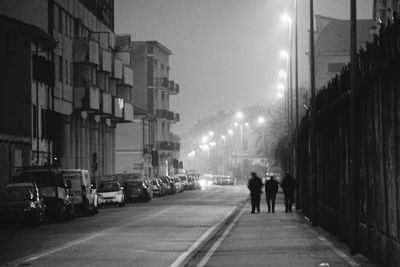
<point>68,114</point>
<point>147,145</point>
<point>385,10</point>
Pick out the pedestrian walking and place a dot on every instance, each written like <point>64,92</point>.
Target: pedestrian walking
<point>288,186</point>
<point>255,186</point>
<point>271,188</point>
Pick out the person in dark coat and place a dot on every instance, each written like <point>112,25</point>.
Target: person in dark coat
<point>271,188</point>
<point>255,186</point>
<point>288,186</point>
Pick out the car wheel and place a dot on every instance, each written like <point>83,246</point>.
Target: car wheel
<point>122,204</point>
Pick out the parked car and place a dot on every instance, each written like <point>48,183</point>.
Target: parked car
<point>52,186</point>
<point>191,183</point>
<point>227,180</point>
<point>83,193</point>
<point>110,192</point>
<point>178,184</point>
<point>168,184</point>
<point>138,188</point>
<point>185,182</point>
<point>22,202</point>
<point>158,187</point>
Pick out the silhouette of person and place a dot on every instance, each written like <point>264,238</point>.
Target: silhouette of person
<point>271,188</point>
<point>255,186</point>
<point>288,186</point>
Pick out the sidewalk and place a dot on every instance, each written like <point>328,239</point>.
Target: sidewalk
<point>279,239</point>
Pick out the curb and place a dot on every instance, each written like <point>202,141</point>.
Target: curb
<point>220,225</point>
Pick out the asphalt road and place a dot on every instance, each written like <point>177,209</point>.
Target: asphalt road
<point>162,232</point>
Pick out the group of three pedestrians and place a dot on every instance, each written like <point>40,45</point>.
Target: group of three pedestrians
<point>255,186</point>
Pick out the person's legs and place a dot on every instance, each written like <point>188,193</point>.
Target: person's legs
<point>258,199</point>
<point>273,197</point>
<point>290,202</point>
<point>253,203</point>
<point>286,202</point>
<point>268,197</point>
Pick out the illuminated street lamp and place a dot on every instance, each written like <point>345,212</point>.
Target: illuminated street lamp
<point>260,120</point>
<point>211,133</point>
<point>204,139</point>
<point>239,115</point>
<point>282,74</point>
<point>230,132</point>
<point>236,124</point>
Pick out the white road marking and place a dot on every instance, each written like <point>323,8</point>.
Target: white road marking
<point>84,239</point>
<point>199,242</point>
<point>216,245</point>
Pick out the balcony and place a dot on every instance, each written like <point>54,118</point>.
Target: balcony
<point>128,112</point>
<point>86,98</point>
<point>86,52</point>
<point>165,114</point>
<point>176,117</point>
<point>174,90</point>
<point>106,104</point>
<point>127,76</point>
<point>147,149</point>
<point>116,69</point>
<point>105,62</point>
<point>162,83</point>
<point>168,146</point>
<point>118,107</point>
<point>122,111</point>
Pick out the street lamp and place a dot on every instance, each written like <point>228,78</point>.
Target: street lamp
<point>239,115</point>
<point>204,139</point>
<point>211,133</point>
<point>260,120</point>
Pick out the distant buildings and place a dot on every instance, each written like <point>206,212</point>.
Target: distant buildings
<point>332,45</point>
<point>68,84</point>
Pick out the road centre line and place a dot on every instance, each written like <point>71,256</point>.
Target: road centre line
<point>200,241</point>
<point>37,256</point>
<point>216,245</point>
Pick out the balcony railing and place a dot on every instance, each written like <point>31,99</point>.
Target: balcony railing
<point>176,117</point>
<point>127,76</point>
<point>116,69</point>
<point>165,114</point>
<point>106,103</point>
<point>122,111</point>
<point>168,146</point>
<point>106,62</point>
<point>86,98</point>
<point>174,90</point>
<point>128,112</point>
<point>162,83</point>
<point>86,52</point>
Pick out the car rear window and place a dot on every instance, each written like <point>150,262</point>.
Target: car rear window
<point>109,187</point>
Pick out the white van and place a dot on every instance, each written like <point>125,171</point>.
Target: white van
<point>83,193</point>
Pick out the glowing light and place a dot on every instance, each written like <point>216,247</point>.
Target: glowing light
<point>285,17</point>
<point>247,124</point>
<point>281,87</point>
<point>204,139</point>
<point>223,137</point>
<point>284,54</point>
<point>120,103</point>
<point>239,115</point>
<point>279,95</point>
<point>282,74</point>
<point>260,120</point>
<point>211,133</point>
<point>230,132</point>
<point>212,143</point>
<point>236,124</point>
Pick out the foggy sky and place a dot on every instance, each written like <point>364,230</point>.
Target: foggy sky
<point>225,52</point>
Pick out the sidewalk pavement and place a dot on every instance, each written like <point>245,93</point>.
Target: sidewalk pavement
<point>279,239</point>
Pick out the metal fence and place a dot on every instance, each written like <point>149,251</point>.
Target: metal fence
<point>378,147</point>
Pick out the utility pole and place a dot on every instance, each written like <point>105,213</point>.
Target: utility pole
<point>353,147</point>
<point>296,67</point>
<point>313,167</point>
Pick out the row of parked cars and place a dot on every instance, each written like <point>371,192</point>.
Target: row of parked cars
<point>39,194</point>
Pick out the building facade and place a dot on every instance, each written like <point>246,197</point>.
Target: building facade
<point>385,10</point>
<point>73,80</point>
<point>155,151</point>
<point>332,45</point>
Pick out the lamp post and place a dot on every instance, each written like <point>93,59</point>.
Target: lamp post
<point>261,121</point>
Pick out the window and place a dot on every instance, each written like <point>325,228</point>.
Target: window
<point>34,121</point>
<point>60,68</point>
<point>60,19</point>
<point>66,72</point>
<point>71,82</point>
<point>66,25</point>
<point>335,67</point>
